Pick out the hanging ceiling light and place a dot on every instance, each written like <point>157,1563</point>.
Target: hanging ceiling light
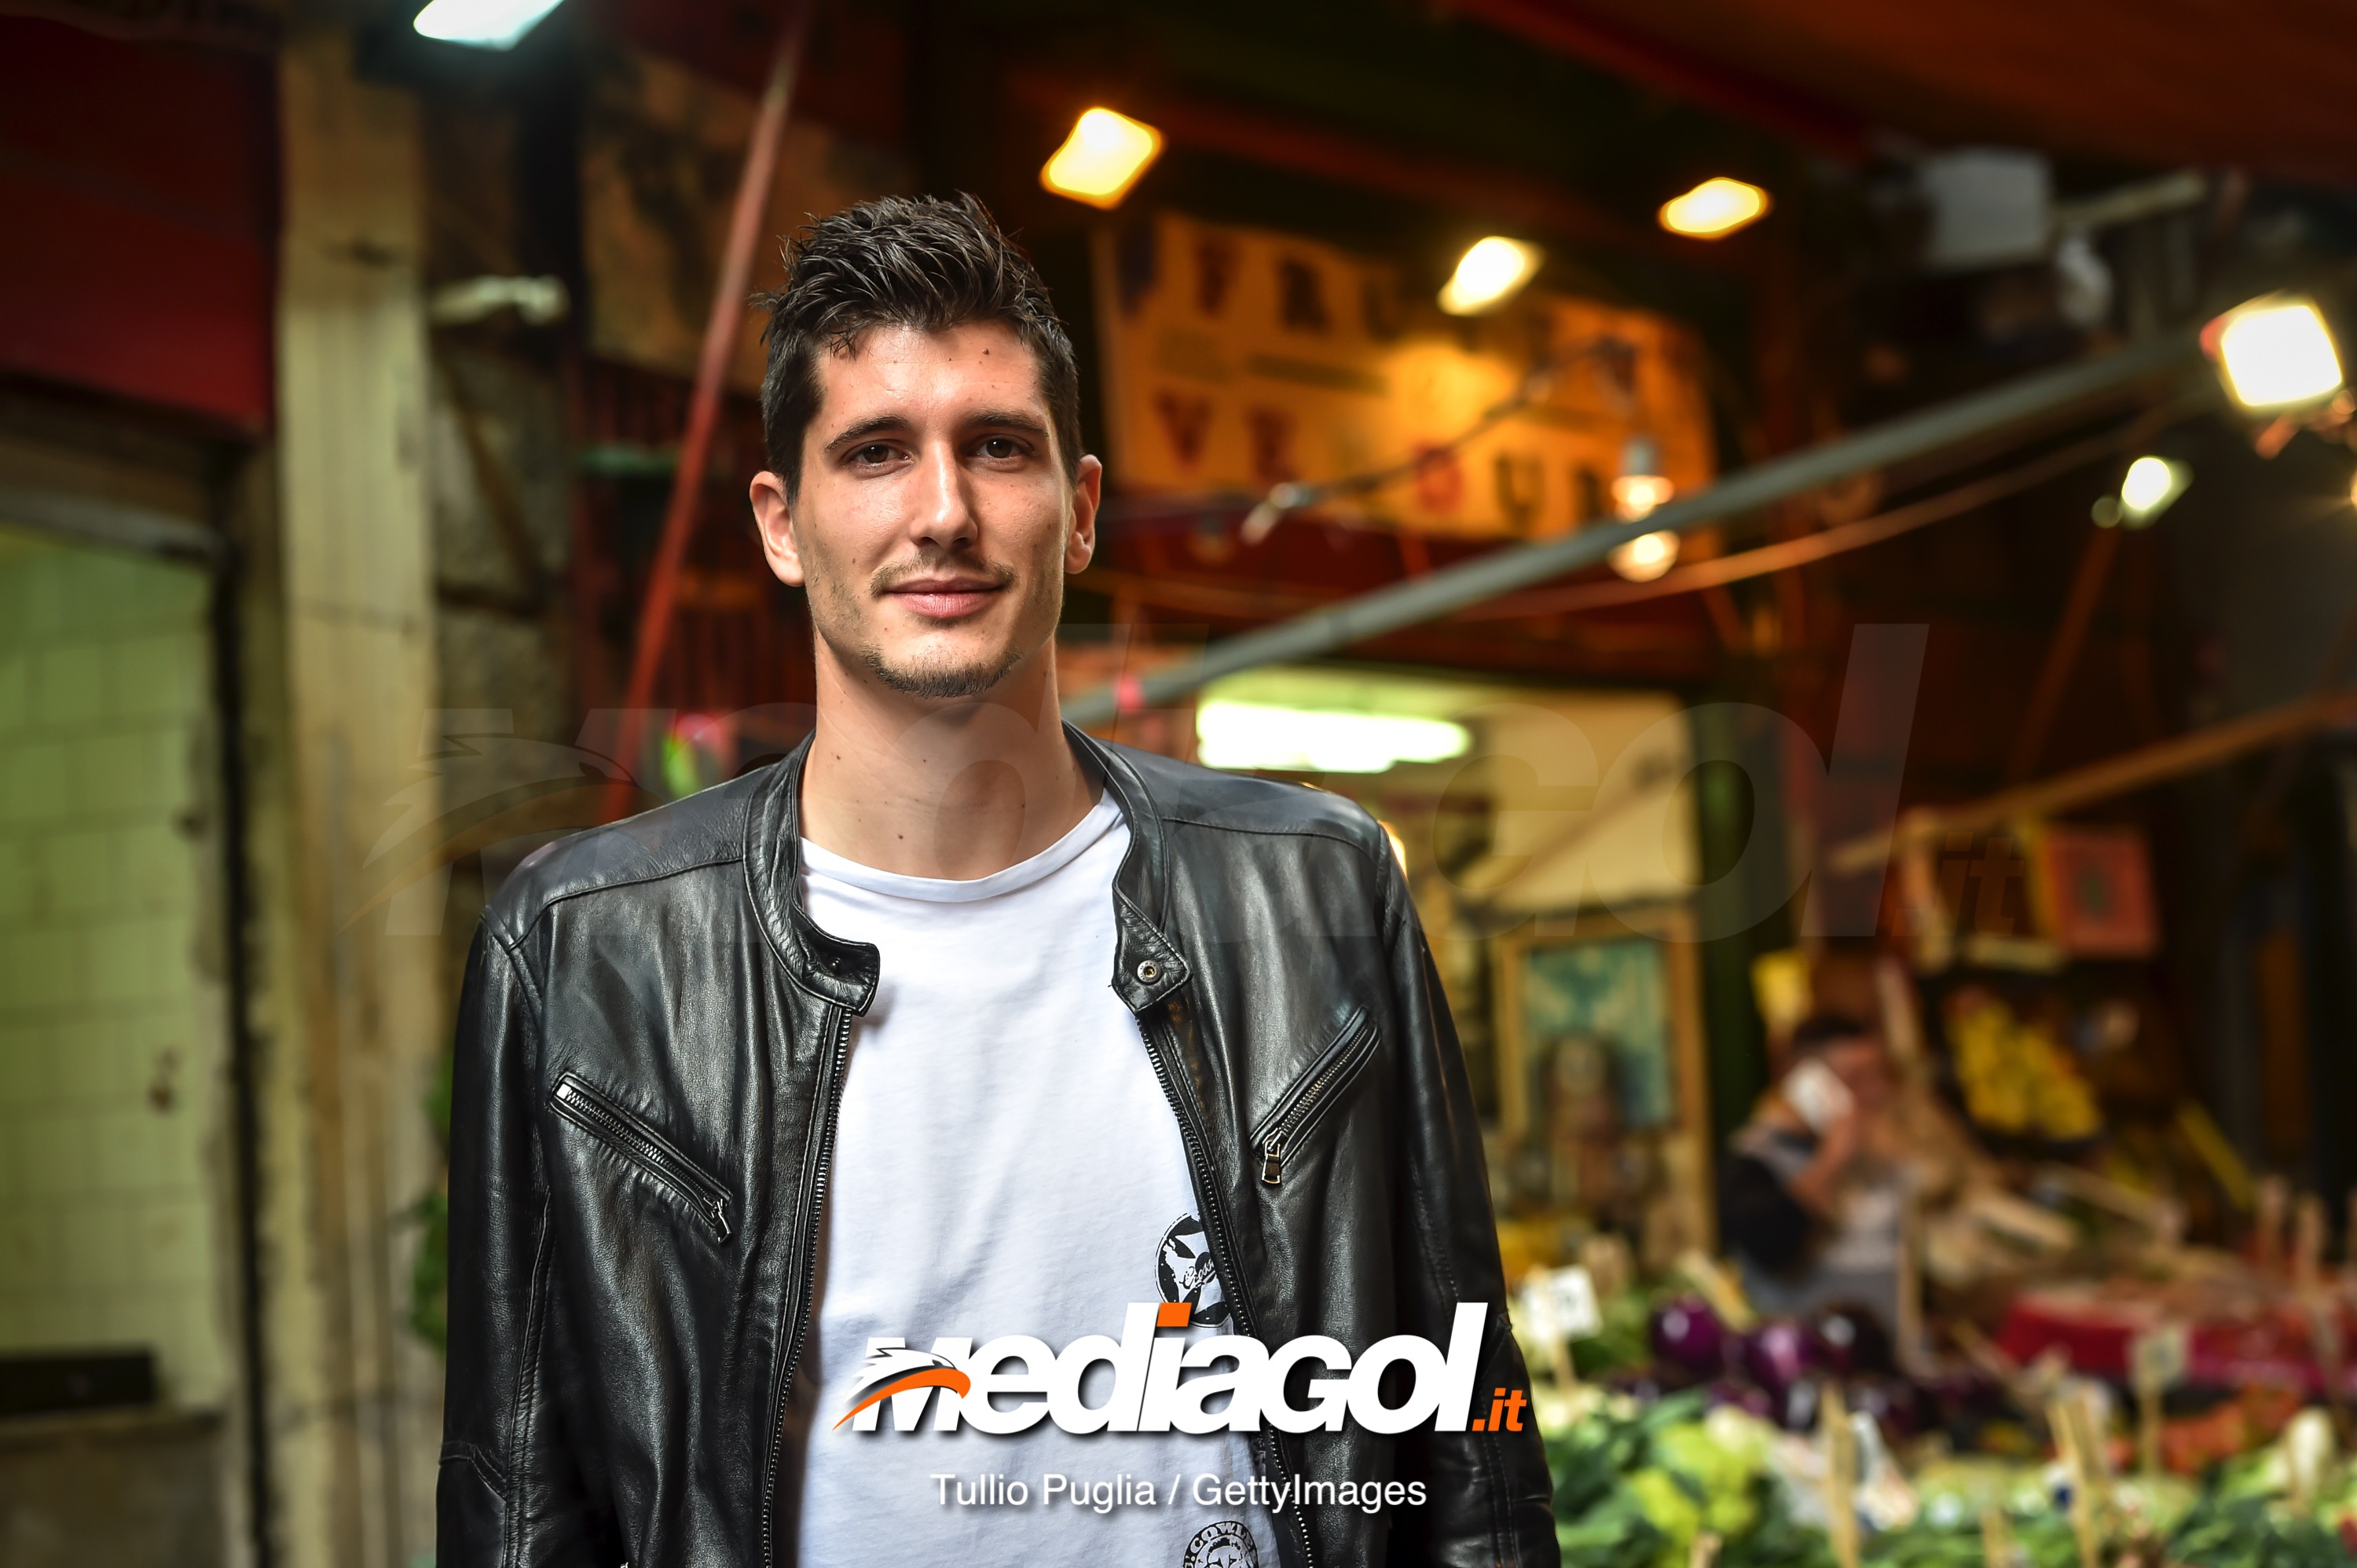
<point>1105,155</point>
<point>1637,493</point>
<point>2151,487</point>
<point>1714,208</point>
<point>1491,273</point>
<point>2275,352</point>
<point>1642,485</point>
<point>1646,557</point>
<point>481,23</point>
<point>1640,495</point>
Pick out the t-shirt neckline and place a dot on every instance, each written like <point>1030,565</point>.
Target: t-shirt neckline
<point>1100,821</point>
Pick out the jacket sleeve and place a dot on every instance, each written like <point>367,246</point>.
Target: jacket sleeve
<point>1487,1494</point>
<point>509,1494</point>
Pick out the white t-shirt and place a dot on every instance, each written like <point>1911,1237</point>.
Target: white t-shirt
<point>1006,1163</point>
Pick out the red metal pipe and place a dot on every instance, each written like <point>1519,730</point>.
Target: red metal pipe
<point>704,407</point>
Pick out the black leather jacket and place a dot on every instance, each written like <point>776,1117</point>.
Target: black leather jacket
<point>650,1053</point>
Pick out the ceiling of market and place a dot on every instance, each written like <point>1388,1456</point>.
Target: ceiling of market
<point>2148,81</point>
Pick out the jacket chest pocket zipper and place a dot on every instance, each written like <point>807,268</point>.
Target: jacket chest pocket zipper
<point>1298,1111</point>
<point>644,1147</point>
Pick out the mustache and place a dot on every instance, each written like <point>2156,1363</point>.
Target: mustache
<point>933,563</point>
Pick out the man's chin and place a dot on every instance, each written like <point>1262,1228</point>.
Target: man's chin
<point>941,677</point>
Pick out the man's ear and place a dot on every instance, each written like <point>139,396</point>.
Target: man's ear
<point>1087,495</point>
<point>773,515</point>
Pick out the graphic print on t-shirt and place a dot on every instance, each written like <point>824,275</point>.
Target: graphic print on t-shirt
<point>1183,1269</point>
<point>1227,1544</point>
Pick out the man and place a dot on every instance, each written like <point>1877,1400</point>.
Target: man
<point>958,1028</point>
<point>1814,1194</point>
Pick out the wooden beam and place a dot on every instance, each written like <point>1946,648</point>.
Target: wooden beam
<point>356,1015</point>
<point>2197,752</point>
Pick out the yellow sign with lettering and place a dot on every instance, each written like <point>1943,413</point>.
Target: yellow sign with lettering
<point>1238,358</point>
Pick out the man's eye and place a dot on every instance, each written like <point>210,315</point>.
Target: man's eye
<point>875,454</point>
<point>1002,446</point>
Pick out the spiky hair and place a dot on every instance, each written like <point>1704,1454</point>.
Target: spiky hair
<point>924,262</point>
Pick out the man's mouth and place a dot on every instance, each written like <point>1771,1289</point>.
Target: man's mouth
<point>945,597</point>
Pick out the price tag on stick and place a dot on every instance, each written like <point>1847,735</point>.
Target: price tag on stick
<point>1557,1306</point>
<point>1841,1475</point>
<point>1996,1539</point>
<point>2157,1362</point>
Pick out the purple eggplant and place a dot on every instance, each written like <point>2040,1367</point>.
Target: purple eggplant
<point>1854,1339</point>
<point>1688,1336</point>
<point>1779,1353</point>
<point>1749,1398</point>
<point>1896,1404</point>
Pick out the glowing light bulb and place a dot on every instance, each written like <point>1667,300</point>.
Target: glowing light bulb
<point>1642,487</point>
<point>1640,495</point>
<point>1714,208</point>
<point>1646,557</point>
<point>1488,276</point>
<point>1103,157</point>
<point>2275,352</point>
<point>2149,487</point>
<point>481,23</point>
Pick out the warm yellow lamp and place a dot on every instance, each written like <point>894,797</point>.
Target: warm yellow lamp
<point>1489,274</point>
<point>1714,208</point>
<point>2275,352</point>
<point>1101,158</point>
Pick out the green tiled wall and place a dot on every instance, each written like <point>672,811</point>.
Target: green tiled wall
<point>112,1153</point>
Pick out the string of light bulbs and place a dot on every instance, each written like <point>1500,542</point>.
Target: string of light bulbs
<point>1294,495</point>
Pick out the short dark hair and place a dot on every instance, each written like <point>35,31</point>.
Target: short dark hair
<point>1820,1030</point>
<point>923,261</point>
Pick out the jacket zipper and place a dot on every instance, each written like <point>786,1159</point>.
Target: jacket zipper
<point>815,1179</point>
<point>1215,1222</point>
<point>1296,1114</point>
<point>644,1147</point>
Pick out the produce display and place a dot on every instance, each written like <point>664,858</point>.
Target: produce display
<point>1707,1447</point>
<point>2016,1079</point>
<point>2110,1344</point>
<point>1638,1485</point>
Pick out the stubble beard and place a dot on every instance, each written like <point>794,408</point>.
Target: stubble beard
<point>940,677</point>
<point>941,680</point>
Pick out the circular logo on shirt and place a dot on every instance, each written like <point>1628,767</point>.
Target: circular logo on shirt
<point>1227,1544</point>
<point>1184,1270</point>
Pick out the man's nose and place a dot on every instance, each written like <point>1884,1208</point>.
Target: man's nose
<point>943,516</point>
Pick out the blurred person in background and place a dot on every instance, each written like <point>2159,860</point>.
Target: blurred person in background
<point>1813,1192</point>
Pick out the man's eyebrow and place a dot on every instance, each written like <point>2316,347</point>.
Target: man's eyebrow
<point>1007,419</point>
<point>900,424</point>
<point>878,425</point>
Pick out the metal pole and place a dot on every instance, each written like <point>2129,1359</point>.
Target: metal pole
<point>1437,594</point>
<point>704,405</point>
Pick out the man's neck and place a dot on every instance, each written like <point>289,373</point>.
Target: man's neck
<point>953,790</point>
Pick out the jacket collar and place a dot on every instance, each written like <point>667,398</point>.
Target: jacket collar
<point>828,966</point>
<point>1147,966</point>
